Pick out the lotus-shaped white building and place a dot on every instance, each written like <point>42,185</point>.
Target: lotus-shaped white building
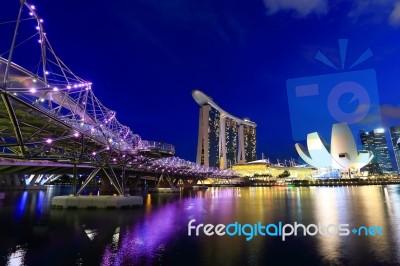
<point>342,153</point>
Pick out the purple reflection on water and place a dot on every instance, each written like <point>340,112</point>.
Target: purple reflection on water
<point>149,238</point>
<point>146,239</point>
<point>108,256</point>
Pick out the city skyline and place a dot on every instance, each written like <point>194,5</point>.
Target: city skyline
<point>395,137</point>
<point>375,141</point>
<point>248,50</point>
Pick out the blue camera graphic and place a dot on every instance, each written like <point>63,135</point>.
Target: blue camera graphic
<point>317,102</point>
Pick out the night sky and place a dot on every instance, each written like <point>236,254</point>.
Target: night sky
<point>145,58</point>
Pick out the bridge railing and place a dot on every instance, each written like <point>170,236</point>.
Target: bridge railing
<point>145,145</point>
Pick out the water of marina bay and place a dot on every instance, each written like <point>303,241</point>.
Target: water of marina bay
<point>32,233</point>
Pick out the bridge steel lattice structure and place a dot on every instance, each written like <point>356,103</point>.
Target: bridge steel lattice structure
<point>50,118</point>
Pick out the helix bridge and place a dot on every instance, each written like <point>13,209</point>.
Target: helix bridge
<point>51,122</point>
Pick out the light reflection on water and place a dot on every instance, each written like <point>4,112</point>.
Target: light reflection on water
<point>17,256</point>
<point>31,233</point>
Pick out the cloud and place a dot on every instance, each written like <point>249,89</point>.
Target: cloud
<point>301,7</point>
<point>360,7</point>
<point>389,115</point>
<point>394,18</point>
<point>371,11</point>
<point>390,111</point>
<point>376,11</point>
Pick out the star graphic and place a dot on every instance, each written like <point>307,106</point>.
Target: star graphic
<point>354,231</point>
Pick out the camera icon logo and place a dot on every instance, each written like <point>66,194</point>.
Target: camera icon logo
<point>317,102</point>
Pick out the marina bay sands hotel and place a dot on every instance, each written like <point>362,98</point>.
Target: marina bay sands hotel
<point>224,139</point>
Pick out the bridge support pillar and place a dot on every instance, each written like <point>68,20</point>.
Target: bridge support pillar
<point>88,179</point>
<point>165,181</point>
<point>113,179</point>
<point>123,181</point>
<point>176,182</point>
<point>34,179</point>
<point>75,176</point>
<point>189,183</point>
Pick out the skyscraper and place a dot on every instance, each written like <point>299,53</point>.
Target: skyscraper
<point>375,141</point>
<point>223,138</point>
<point>395,136</point>
<point>249,141</point>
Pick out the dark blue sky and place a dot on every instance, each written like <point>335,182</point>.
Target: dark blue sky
<point>145,57</point>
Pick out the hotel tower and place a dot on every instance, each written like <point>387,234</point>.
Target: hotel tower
<point>224,139</point>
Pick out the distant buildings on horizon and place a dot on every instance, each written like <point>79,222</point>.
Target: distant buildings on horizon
<point>376,142</point>
<point>395,136</point>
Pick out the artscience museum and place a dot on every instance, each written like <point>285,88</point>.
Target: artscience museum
<point>341,154</point>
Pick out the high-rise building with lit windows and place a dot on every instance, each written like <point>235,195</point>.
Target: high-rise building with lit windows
<point>249,142</point>
<point>395,136</point>
<point>231,135</point>
<point>375,141</point>
<point>224,139</point>
<point>211,129</point>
